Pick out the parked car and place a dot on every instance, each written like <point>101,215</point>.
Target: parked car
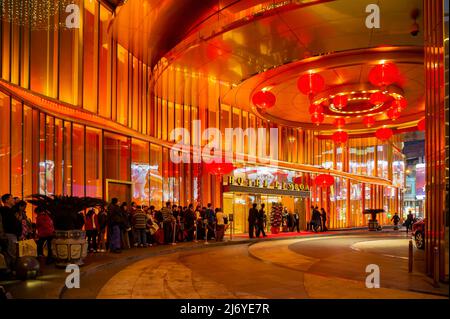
<point>418,233</point>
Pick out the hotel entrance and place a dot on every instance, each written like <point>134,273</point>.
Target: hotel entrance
<point>239,204</point>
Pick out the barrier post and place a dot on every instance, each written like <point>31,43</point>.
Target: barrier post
<point>174,233</point>
<point>410,257</point>
<point>436,266</point>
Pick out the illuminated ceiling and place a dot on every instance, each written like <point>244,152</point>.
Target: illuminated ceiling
<point>250,45</point>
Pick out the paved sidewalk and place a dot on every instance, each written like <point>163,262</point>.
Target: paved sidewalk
<point>52,282</point>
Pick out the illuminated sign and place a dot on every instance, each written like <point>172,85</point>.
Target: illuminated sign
<point>239,181</point>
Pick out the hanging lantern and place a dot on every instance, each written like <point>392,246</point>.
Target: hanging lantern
<point>369,121</point>
<point>310,84</point>
<point>378,98</point>
<point>298,180</point>
<point>421,125</point>
<point>340,137</point>
<point>317,118</point>
<point>324,180</point>
<point>383,74</point>
<point>316,109</point>
<point>264,99</point>
<point>393,114</point>
<point>383,134</point>
<point>340,101</point>
<point>219,169</point>
<point>400,104</point>
<point>339,122</point>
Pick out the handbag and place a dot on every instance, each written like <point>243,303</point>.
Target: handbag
<point>153,228</point>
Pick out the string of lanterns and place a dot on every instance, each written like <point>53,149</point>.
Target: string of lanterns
<point>310,84</point>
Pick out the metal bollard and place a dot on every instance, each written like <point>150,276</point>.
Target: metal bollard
<point>436,266</point>
<point>195,232</point>
<point>410,257</point>
<point>174,233</point>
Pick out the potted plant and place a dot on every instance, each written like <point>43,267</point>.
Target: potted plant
<point>275,218</point>
<point>69,245</point>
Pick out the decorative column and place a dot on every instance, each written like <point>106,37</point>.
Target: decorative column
<point>435,138</point>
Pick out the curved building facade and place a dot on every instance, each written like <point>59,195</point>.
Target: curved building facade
<point>101,107</point>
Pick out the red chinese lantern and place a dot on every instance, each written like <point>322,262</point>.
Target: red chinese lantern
<point>421,125</point>
<point>310,84</point>
<point>378,98</point>
<point>316,109</point>
<point>339,122</point>
<point>340,137</point>
<point>369,121</point>
<point>324,180</point>
<point>383,74</point>
<point>383,134</point>
<point>393,114</point>
<point>298,180</point>
<point>400,104</point>
<point>214,168</point>
<point>340,101</point>
<point>264,99</point>
<point>317,118</point>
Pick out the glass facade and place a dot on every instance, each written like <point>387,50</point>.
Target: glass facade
<point>123,115</point>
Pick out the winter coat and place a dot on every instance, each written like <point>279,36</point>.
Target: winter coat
<point>44,226</point>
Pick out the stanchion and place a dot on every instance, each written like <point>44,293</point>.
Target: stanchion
<point>436,266</point>
<point>174,233</point>
<point>206,232</point>
<point>195,232</point>
<point>410,257</point>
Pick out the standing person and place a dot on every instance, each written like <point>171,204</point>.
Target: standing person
<point>167,223</point>
<point>316,221</point>
<point>126,216</point>
<point>116,223</point>
<point>151,227</point>
<point>12,226</point>
<point>102,219</point>
<point>220,224</point>
<point>91,228</point>
<point>252,215</point>
<point>21,214</point>
<point>409,221</point>
<point>324,219</point>
<point>45,231</point>
<point>296,221</point>
<point>139,226</point>
<point>189,221</point>
<point>260,217</point>
<point>211,216</point>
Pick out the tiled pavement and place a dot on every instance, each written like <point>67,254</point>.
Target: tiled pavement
<point>168,277</point>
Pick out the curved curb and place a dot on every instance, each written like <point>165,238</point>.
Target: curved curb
<point>135,258</point>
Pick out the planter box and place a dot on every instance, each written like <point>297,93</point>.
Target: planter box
<point>274,230</point>
<point>69,247</point>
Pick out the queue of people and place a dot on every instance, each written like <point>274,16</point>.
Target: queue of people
<point>144,226</point>
<point>112,228</point>
<point>318,219</point>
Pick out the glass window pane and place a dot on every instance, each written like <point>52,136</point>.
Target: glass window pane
<point>94,162</point>
<point>5,142</point>
<point>16,148</point>
<point>140,169</point>
<point>78,187</point>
